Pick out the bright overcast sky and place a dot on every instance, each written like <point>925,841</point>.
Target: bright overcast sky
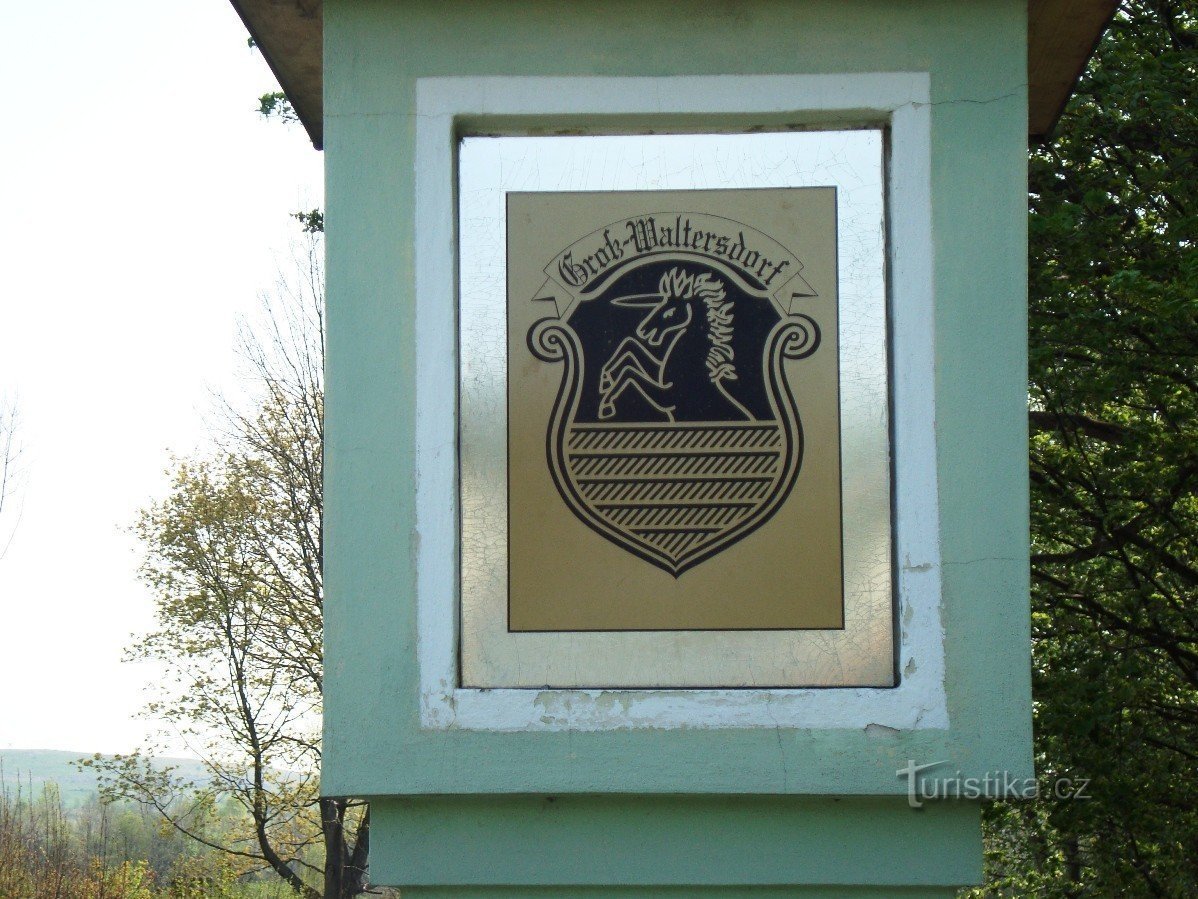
<point>143,207</point>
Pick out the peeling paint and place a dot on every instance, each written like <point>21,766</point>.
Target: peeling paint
<point>881,730</point>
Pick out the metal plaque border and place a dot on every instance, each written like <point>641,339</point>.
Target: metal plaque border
<point>898,100</point>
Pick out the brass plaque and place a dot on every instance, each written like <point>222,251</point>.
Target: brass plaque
<point>673,433</point>
<point>673,417</point>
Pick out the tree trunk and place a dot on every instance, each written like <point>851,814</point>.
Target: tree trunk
<point>344,868</point>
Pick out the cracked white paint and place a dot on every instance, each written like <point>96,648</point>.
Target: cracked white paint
<point>901,100</point>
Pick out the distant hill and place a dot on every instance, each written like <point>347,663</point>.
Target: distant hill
<point>23,768</point>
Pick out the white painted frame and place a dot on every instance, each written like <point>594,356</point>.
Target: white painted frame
<point>898,100</point>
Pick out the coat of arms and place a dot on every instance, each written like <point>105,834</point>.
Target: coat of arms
<point>675,432</point>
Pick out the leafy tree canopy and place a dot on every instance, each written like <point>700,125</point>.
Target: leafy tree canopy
<point>1114,468</point>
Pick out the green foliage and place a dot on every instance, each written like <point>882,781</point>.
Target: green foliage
<point>1114,467</point>
<point>312,221</point>
<point>105,850</point>
<point>275,105</point>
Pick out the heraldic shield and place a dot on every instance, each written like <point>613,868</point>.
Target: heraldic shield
<point>675,432</point>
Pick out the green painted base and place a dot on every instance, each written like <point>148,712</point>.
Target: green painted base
<point>677,892</point>
<point>667,846</point>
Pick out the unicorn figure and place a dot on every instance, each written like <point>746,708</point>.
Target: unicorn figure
<point>681,355</point>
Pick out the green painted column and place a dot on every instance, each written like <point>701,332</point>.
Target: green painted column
<point>672,811</point>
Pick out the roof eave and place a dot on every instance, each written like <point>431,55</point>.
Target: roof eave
<point>290,35</point>
<point>1062,35</point>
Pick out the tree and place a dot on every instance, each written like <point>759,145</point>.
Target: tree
<point>1114,469</point>
<point>234,558</point>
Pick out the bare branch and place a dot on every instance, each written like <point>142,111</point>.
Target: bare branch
<point>10,453</point>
